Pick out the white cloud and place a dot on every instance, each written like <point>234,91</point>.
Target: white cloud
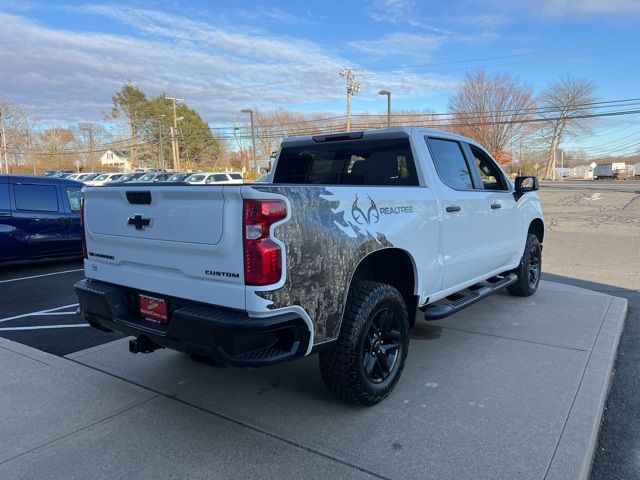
<point>65,76</point>
<point>400,45</point>
<point>394,11</point>
<point>586,8</point>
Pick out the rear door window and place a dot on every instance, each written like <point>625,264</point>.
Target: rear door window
<point>350,162</point>
<point>42,198</point>
<point>73,195</point>
<point>450,163</point>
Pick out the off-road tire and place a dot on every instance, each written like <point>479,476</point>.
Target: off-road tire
<point>526,285</point>
<point>342,365</point>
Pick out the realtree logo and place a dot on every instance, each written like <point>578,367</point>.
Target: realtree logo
<point>372,215</point>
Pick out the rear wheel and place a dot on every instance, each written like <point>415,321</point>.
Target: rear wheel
<point>366,362</point>
<point>529,270</point>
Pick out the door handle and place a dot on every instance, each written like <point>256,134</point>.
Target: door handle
<point>495,206</point>
<point>453,208</point>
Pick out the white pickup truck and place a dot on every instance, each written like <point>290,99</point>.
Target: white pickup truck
<point>352,235</point>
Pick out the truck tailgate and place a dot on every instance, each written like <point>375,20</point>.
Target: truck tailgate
<point>168,239</point>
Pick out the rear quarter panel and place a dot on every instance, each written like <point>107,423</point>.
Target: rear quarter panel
<point>329,231</point>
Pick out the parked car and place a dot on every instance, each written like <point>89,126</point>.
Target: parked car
<point>235,177</point>
<point>39,217</point>
<point>103,179</point>
<point>178,177</point>
<point>197,178</point>
<point>56,173</point>
<point>354,233</point>
<point>620,174</point>
<point>154,177</point>
<point>73,176</point>
<point>128,177</point>
<point>86,177</point>
<point>219,177</point>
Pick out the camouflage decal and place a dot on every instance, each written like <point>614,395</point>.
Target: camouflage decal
<point>325,240</point>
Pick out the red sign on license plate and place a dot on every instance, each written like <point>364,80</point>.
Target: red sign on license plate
<point>154,309</point>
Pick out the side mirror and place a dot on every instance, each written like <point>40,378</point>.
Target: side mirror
<point>526,184</point>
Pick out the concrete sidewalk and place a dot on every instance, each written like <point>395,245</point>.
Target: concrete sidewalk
<point>509,388</point>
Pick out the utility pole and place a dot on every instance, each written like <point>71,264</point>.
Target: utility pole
<point>174,132</point>
<point>161,149</point>
<point>253,138</point>
<point>353,87</point>
<point>562,165</point>
<point>553,170</point>
<point>4,146</point>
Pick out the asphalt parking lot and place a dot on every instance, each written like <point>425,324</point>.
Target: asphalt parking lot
<point>592,241</point>
<point>38,307</point>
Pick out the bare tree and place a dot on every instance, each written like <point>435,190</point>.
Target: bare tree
<point>565,104</point>
<point>90,136</point>
<point>492,109</point>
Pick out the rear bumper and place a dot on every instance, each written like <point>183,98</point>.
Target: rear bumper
<point>228,336</point>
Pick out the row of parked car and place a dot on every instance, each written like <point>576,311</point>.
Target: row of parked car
<point>97,179</point>
<point>40,215</point>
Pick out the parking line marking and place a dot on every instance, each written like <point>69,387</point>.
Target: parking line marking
<point>43,275</point>
<point>42,327</point>
<point>58,313</point>
<point>40,312</point>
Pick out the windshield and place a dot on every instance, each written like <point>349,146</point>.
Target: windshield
<point>195,178</point>
<point>176,177</point>
<point>147,177</point>
<point>99,178</point>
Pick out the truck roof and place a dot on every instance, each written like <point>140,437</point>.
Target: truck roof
<point>371,135</point>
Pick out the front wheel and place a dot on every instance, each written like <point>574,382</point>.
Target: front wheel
<point>369,356</point>
<point>529,269</point>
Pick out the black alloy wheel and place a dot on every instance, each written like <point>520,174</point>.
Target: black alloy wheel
<point>534,266</point>
<point>381,345</point>
<point>366,362</point>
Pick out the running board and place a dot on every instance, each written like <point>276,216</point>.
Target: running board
<point>485,289</point>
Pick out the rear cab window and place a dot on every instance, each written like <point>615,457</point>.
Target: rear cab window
<point>41,198</point>
<point>350,162</point>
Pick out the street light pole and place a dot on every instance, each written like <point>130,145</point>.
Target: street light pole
<point>388,94</point>
<point>253,138</point>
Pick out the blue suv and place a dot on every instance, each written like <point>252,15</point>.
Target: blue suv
<point>39,218</point>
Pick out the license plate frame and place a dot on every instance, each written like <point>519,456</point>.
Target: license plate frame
<point>153,309</point>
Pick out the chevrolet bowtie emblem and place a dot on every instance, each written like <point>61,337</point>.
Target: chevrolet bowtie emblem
<point>139,222</point>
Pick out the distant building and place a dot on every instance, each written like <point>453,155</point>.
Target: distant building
<point>579,171</point>
<point>116,158</point>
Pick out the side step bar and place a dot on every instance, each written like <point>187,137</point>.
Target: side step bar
<point>437,312</point>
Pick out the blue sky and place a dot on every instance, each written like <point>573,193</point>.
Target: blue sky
<point>64,62</point>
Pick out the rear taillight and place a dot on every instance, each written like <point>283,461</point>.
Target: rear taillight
<point>262,256</point>
<point>82,235</point>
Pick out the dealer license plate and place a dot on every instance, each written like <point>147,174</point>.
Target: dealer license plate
<point>154,309</point>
